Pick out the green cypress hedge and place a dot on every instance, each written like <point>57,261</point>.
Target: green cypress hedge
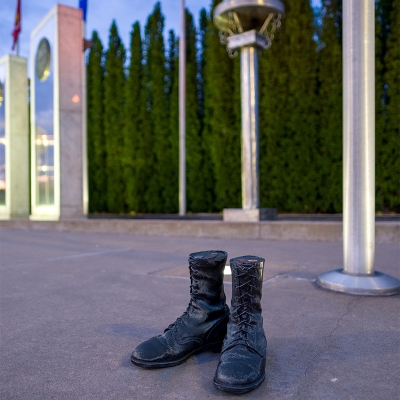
<point>221,127</point>
<point>207,168</point>
<point>114,83</point>
<point>133,128</point>
<point>134,159</point>
<point>173,114</point>
<point>388,137</point>
<point>197,197</point>
<point>329,100</point>
<point>289,157</point>
<point>95,127</point>
<point>161,196</point>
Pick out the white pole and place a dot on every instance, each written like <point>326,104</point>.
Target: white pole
<point>85,177</point>
<point>182,113</point>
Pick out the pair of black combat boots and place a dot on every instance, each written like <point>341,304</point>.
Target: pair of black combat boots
<point>208,323</point>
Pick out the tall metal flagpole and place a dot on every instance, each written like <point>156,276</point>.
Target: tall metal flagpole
<point>182,113</point>
<point>85,172</point>
<point>358,275</point>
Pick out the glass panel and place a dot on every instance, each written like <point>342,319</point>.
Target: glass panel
<point>2,137</point>
<point>45,168</point>
<point>44,123</point>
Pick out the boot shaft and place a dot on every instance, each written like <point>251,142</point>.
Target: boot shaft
<point>207,276</point>
<point>247,280</point>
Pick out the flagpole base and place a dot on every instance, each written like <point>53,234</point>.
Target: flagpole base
<point>376,284</point>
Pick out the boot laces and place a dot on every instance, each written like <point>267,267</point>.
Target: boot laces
<point>248,283</point>
<point>194,284</point>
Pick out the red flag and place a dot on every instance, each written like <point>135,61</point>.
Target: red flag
<point>17,24</point>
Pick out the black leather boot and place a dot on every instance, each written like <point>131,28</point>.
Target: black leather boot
<point>202,326</point>
<point>242,363</point>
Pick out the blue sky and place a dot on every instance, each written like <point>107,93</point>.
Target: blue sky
<point>99,17</point>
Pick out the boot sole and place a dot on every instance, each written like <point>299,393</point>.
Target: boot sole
<point>214,347</point>
<point>239,389</point>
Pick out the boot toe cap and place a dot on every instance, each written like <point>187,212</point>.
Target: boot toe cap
<point>150,351</point>
<point>240,367</point>
<point>235,374</point>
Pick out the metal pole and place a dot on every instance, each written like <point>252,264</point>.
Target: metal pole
<point>182,113</point>
<point>359,136</point>
<point>249,90</point>
<point>85,171</point>
<point>358,275</point>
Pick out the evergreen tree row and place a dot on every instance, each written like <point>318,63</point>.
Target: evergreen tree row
<point>133,116</point>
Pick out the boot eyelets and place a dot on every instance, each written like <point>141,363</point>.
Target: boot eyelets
<point>197,329</point>
<point>241,349</point>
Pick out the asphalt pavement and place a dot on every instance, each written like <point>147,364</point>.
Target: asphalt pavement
<point>73,305</point>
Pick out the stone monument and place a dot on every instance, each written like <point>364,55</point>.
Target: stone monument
<point>58,152</point>
<point>14,138</point>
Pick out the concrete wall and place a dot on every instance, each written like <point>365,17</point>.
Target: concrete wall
<point>70,53</point>
<point>385,232</point>
<point>17,138</point>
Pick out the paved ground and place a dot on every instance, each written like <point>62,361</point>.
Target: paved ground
<point>74,305</point>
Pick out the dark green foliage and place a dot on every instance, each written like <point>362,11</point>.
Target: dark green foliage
<point>382,30</point>
<point>173,109</point>
<point>272,79</point>
<point>198,193</point>
<point>221,128</point>
<point>207,168</point>
<point>114,83</point>
<point>95,128</point>
<point>161,195</point>
<point>136,145</point>
<point>133,121</point>
<point>289,144</point>
<point>388,135</point>
<point>198,197</point>
<point>330,106</point>
<point>203,26</point>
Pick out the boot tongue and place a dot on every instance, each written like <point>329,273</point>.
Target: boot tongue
<point>247,276</point>
<point>245,326</point>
